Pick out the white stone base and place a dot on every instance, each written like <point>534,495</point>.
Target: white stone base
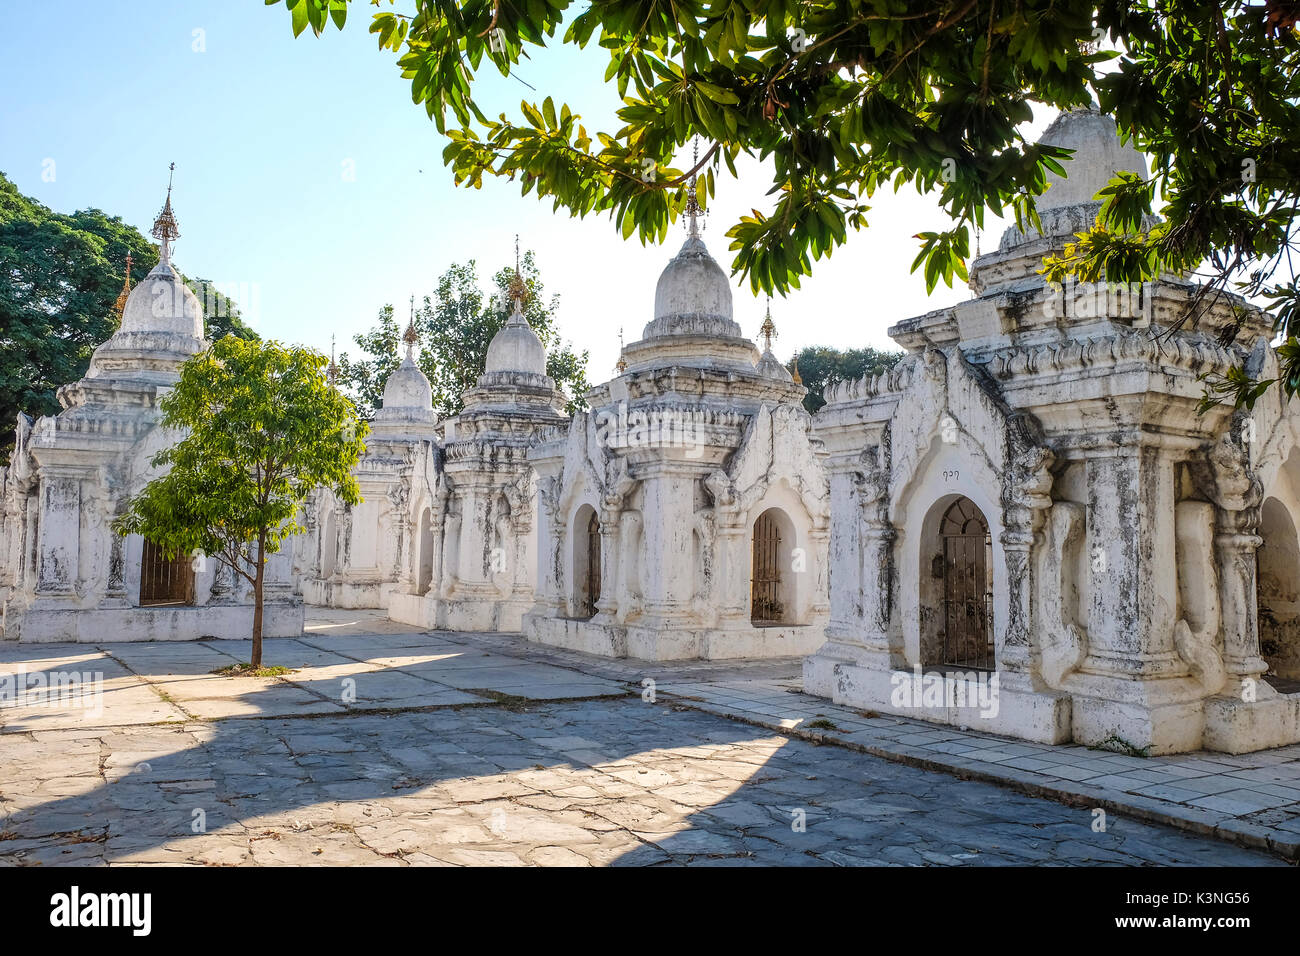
<point>1235,726</point>
<point>669,644</point>
<point>346,594</point>
<point>172,623</point>
<point>1167,729</point>
<point>1011,710</point>
<point>451,615</point>
<point>1158,717</point>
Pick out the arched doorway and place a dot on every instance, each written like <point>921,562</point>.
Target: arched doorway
<point>1277,584</point>
<point>965,573</point>
<point>774,571</point>
<point>586,562</point>
<point>424,575</point>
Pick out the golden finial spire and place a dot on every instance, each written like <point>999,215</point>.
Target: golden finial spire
<point>333,369</point>
<point>165,227</point>
<point>518,289</point>
<point>120,304</point>
<point>693,212</point>
<point>409,336</point>
<point>794,371</point>
<point>621,364</point>
<point>768,329</point>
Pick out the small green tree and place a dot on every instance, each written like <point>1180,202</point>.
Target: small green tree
<point>456,326</point>
<point>263,428</point>
<point>822,367</point>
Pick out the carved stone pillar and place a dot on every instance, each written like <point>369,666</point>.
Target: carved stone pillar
<point>1237,495</point>
<point>1026,496</point>
<point>59,534</point>
<point>607,604</point>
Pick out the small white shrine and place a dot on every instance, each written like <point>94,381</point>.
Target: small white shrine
<point>686,515</point>
<point>474,557</point>
<point>356,556</point>
<point>64,574</point>
<point>1034,531</point>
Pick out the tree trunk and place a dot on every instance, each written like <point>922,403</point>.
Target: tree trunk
<point>256,660</point>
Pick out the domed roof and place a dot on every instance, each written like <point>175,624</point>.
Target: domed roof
<point>162,320</point>
<point>1098,156</point>
<point>516,347</point>
<point>408,387</point>
<point>1068,206</point>
<point>693,295</point>
<point>162,302</point>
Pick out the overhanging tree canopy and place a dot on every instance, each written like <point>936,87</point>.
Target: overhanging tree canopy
<point>844,98</point>
<point>455,327</point>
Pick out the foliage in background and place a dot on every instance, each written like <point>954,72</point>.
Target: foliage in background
<point>261,428</point>
<point>821,367</point>
<point>845,97</point>
<point>455,325</point>
<point>59,278</point>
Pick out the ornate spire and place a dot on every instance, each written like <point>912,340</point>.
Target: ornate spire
<point>768,328</point>
<point>693,212</point>
<point>518,287</point>
<point>165,227</point>
<point>409,336</point>
<point>621,364</point>
<point>794,371</point>
<point>333,370</point>
<point>120,305</point>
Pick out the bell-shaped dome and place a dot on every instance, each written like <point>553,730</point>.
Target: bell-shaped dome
<point>1098,156</point>
<point>408,403</point>
<point>693,296</point>
<point>162,302</point>
<point>516,348</point>
<point>408,387</point>
<point>1068,206</point>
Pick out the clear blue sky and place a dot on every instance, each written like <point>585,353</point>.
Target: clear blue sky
<point>261,125</point>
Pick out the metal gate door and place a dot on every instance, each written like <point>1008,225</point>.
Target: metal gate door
<point>592,593</point>
<point>765,589</point>
<point>967,588</point>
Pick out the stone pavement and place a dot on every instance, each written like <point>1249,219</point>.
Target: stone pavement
<point>561,783</point>
<point>341,664</point>
<point>1251,799</point>
<point>478,749</point>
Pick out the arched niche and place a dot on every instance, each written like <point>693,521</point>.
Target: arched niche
<point>955,590</point>
<point>329,544</point>
<point>781,562</point>
<point>585,537</point>
<point>425,552</point>
<point>1278,589</point>
<point>773,578</point>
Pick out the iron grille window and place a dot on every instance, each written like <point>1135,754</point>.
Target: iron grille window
<point>163,579</point>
